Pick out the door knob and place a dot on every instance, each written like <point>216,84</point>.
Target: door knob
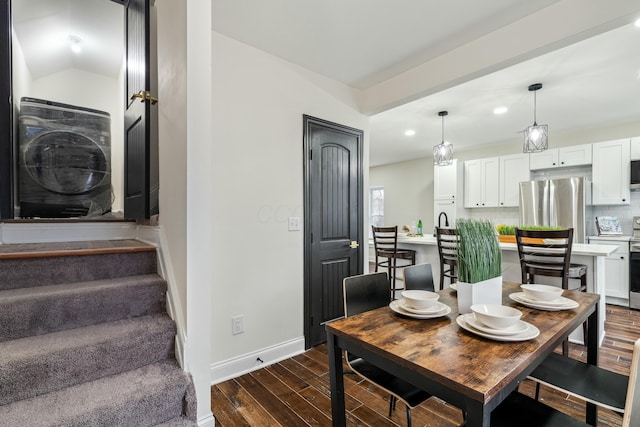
<point>354,244</point>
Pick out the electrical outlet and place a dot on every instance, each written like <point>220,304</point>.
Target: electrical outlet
<point>236,325</point>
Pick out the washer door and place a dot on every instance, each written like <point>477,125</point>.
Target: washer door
<point>65,162</point>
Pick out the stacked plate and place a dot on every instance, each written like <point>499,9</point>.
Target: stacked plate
<point>520,331</point>
<point>437,310</point>
<point>560,303</point>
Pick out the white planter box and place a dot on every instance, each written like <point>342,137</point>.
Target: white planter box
<point>485,292</point>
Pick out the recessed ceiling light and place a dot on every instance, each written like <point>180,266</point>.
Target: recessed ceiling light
<point>410,132</point>
<point>75,44</point>
<point>500,110</point>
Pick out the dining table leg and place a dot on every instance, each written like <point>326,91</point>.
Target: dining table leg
<point>476,415</point>
<point>593,343</point>
<point>336,381</point>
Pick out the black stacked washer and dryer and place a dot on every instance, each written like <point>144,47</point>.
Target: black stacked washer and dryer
<point>64,160</point>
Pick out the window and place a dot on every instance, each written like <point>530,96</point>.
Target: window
<point>376,206</point>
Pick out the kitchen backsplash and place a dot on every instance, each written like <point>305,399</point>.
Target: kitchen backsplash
<point>624,213</point>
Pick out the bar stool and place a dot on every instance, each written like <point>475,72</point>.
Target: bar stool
<point>448,251</point>
<point>385,241</point>
<point>549,254</point>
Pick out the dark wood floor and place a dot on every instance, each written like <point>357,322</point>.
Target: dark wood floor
<point>295,392</point>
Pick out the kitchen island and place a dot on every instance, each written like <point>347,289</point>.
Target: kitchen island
<point>591,255</point>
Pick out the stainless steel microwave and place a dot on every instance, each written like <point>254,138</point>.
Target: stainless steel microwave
<point>635,174</point>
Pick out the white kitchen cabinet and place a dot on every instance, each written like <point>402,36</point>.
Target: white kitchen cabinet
<point>449,207</point>
<point>445,181</point>
<point>481,183</point>
<point>513,170</point>
<point>635,148</point>
<point>611,172</point>
<point>574,155</point>
<point>447,190</point>
<point>617,270</point>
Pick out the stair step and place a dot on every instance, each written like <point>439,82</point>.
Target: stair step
<point>32,265</point>
<point>146,396</point>
<point>35,311</point>
<point>37,365</point>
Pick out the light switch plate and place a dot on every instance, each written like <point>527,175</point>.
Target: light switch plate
<point>294,223</point>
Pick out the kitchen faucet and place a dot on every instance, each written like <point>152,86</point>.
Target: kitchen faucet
<point>446,220</point>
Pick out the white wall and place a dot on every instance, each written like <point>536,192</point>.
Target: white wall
<point>172,131</point>
<point>96,91</point>
<point>408,191</point>
<point>258,103</point>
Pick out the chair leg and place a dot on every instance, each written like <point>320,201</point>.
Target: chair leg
<point>537,390</point>
<point>565,347</point>
<point>392,404</point>
<point>408,416</point>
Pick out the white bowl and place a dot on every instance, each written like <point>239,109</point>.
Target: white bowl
<point>496,316</point>
<point>420,299</point>
<point>541,292</point>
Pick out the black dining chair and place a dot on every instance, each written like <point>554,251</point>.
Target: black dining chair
<point>387,254</point>
<point>548,253</point>
<point>596,383</point>
<point>419,276</point>
<point>447,239</point>
<point>368,292</point>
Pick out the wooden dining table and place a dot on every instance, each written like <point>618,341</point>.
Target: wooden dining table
<point>436,355</point>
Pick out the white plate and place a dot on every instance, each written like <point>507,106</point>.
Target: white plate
<point>454,287</point>
<point>517,328</point>
<point>530,333</point>
<point>397,308</point>
<point>438,306</point>
<point>558,302</point>
<point>520,298</point>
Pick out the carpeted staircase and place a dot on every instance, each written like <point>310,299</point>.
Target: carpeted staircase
<point>85,339</point>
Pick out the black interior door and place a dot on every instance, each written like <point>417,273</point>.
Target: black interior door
<point>140,175</point>
<point>6,114</point>
<point>333,220</point>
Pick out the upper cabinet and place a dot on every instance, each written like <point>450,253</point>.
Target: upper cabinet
<point>635,148</point>
<point>611,172</point>
<point>574,155</point>
<point>481,183</point>
<point>445,181</point>
<point>513,170</point>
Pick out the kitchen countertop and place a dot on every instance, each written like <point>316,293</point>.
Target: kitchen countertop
<point>615,238</point>
<point>588,249</point>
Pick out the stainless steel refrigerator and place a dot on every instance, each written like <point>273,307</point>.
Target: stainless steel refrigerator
<point>555,202</point>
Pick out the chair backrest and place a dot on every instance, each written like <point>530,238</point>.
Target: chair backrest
<point>545,253</point>
<point>419,276</point>
<point>365,292</point>
<point>385,239</point>
<point>631,417</point>
<point>447,244</point>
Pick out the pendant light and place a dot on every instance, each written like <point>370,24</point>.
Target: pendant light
<point>536,137</point>
<point>443,152</point>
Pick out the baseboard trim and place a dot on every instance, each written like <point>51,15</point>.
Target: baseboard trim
<point>207,420</point>
<point>65,232</point>
<point>155,236</point>
<point>246,363</point>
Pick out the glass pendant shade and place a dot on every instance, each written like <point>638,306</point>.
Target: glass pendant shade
<point>443,152</point>
<point>536,137</point>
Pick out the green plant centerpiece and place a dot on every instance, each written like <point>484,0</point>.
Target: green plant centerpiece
<point>479,264</point>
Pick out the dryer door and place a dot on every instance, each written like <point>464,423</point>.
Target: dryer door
<point>65,162</point>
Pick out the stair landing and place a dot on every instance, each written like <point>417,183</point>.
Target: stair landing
<point>93,247</point>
